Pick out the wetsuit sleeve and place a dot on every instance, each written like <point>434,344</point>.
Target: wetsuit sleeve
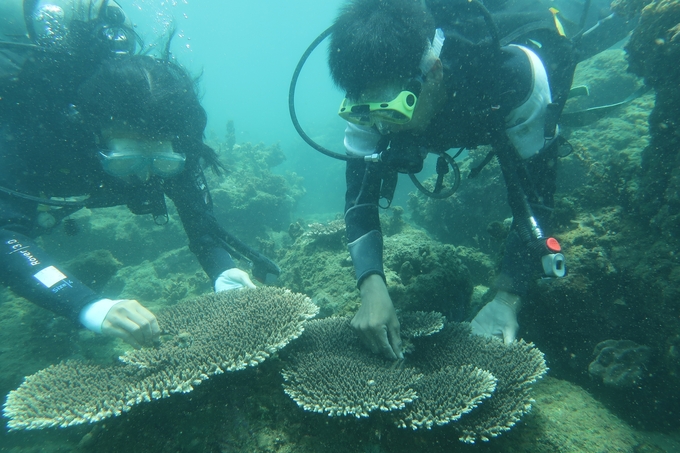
<point>361,206</point>
<point>362,219</point>
<point>30,272</point>
<point>536,173</point>
<point>190,194</point>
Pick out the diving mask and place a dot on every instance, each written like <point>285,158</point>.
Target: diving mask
<point>125,157</point>
<point>400,109</point>
<point>397,111</point>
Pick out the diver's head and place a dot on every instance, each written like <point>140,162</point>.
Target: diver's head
<point>385,56</point>
<point>390,70</point>
<point>375,41</point>
<point>146,116</point>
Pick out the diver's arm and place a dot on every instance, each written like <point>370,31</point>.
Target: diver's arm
<point>525,139</point>
<point>376,320</point>
<point>192,199</point>
<point>189,192</point>
<point>362,218</point>
<point>31,273</point>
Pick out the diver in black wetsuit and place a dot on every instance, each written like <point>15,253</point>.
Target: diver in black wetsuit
<point>82,116</point>
<point>427,76</point>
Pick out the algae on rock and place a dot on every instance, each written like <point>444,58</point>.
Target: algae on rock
<point>422,274</point>
<point>251,199</point>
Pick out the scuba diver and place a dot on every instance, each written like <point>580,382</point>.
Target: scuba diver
<point>426,76</point>
<point>86,122</point>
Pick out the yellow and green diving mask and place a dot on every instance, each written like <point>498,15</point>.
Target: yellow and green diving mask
<point>397,111</point>
<point>400,109</point>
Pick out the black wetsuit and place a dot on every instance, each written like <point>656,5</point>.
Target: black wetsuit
<point>449,130</point>
<point>58,167</point>
<point>487,87</point>
<point>487,84</point>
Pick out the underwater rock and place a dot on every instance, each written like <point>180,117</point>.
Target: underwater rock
<point>331,234</point>
<point>629,8</point>
<point>460,218</point>
<point>295,230</point>
<point>321,270</point>
<point>434,279</point>
<point>251,199</point>
<point>620,363</point>
<point>567,418</point>
<point>394,223</point>
<point>654,50</point>
<point>94,268</point>
<point>654,47</point>
<point>423,274</point>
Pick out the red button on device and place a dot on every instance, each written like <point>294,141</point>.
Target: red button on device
<point>553,245</point>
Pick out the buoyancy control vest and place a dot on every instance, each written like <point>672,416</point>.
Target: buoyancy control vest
<point>476,55</point>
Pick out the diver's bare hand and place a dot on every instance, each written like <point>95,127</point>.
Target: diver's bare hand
<point>376,320</point>
<point>132,322</point>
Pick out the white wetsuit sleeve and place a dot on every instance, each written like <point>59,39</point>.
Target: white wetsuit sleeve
<point>92,315</point>
<point>526,123</point>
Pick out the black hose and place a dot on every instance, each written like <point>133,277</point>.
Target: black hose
<point>291,101</point>
<point>45,201</point>
<point>437,192</point>
<point>488,20</point>
<point>584,16</point>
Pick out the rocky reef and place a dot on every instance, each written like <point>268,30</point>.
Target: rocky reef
<point>252,199</point>
<point>614,216</point>
<point>422,274</point>
<point>653,52</point>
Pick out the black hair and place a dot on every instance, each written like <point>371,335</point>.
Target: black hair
<point>375,41</point>
<point>153,97</point>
